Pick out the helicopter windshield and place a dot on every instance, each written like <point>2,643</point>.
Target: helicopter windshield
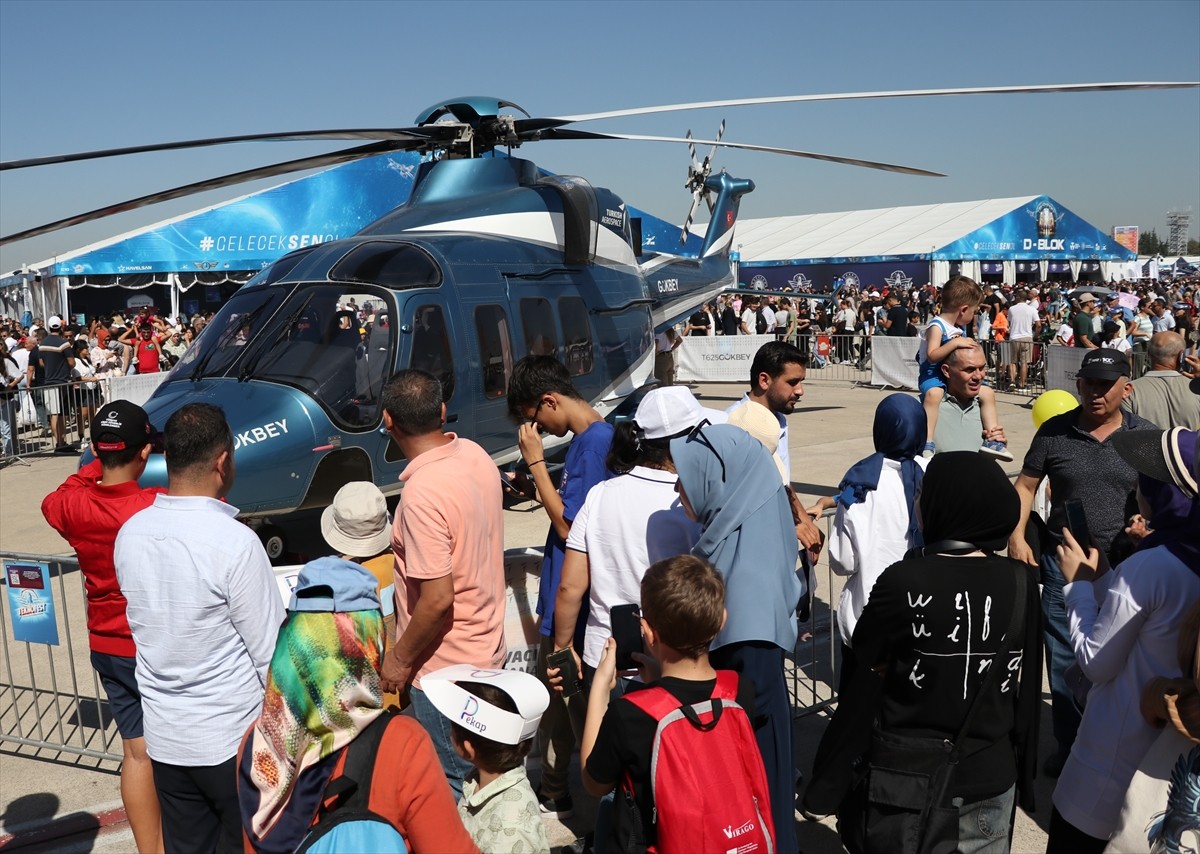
<point>335,342</point>
<point>225,337</point>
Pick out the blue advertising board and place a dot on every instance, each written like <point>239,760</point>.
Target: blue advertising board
<point>1041,229</point>
<point>31,603</point>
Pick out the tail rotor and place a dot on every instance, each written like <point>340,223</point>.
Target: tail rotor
<point>698,173</point>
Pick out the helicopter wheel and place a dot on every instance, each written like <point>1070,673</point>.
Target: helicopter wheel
<point>273,541</point>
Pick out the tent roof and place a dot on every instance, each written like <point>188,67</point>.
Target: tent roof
<point>898,231</point>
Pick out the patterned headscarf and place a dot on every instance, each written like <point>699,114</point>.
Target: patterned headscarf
<point>322,691</point>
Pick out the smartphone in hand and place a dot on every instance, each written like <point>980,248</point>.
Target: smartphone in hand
<point>564,661</point>
<point>627,632</point>
<point>1077,522</point>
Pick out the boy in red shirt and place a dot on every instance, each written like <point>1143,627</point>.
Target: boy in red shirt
<point>88,510</point>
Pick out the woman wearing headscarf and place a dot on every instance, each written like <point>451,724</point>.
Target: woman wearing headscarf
<point>876,522</point>
<point>729,484</point>
<point>936,624</point>
<point>322,694</point>
<point>1125,626</point>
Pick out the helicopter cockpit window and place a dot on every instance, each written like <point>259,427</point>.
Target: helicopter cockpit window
<point>227,335</point>
<point>392,265</point>
<point>339,345</point>
<point>281,267</point>
<point>431,347</point>
<point>537,319</point>
<point>495,349</point>
<point>577,335</point>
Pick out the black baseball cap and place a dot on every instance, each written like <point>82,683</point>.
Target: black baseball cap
<point>120,425</point>
<point>1104,364</point>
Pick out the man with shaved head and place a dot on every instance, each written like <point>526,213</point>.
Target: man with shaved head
<point>1162,396</point>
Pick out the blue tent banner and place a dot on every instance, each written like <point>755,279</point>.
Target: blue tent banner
<point>254,231</point>
<point>1041,229</point>
<point>31,603</point>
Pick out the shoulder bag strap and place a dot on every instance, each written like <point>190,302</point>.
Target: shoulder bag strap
<point>352,788</point>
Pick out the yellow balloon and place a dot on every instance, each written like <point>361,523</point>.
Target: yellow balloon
<point>1051,403</point>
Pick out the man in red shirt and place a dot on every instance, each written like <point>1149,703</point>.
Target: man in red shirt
<point>88,510</point>
<point>147,348</point>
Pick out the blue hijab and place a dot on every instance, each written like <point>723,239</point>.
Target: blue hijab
<point>900,430</point>
<point>748,534</point>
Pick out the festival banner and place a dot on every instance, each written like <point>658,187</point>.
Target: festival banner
<point>31,603</point>
<point>1040,229</point>
<point>717,358</point>
<point>827,278</point>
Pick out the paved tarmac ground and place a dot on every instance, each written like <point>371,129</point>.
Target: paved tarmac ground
<point>59,802</point>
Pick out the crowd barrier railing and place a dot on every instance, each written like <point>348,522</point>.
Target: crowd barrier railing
<point>27,412</point>
<point>50,697</point>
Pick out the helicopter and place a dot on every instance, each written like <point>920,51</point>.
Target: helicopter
<point>489,259</point>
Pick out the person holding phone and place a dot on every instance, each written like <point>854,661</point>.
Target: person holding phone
<point>1125,625</point>
<point>1073,450</point>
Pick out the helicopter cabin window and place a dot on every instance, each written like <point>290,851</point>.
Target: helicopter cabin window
<point>537,319</point>
<point>577,335</point>
<point>431,347</point>
<point>495,349</point>
<point>281,267</point>
<point>337,344</point>
<point>394,265</point>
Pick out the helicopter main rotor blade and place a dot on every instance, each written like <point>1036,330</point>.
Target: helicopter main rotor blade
<point>416,136</point>
<point>532,124</point>
<point>314,162</point>
<point>563,133</point>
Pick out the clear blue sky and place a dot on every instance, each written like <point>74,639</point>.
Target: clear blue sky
<point>78,76</point>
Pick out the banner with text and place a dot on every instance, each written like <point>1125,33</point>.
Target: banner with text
<point>31,603</point>
<point>1061,365</point>
<point>894,361</point>
<point>717,358</point>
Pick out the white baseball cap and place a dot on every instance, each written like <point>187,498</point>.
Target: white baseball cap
<point>55,322</point>
<point>672,411</point>
<point>465,709</point>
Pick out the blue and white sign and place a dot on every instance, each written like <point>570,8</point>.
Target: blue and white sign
<point>251,232</point>
<point>1041,229</point>
<point>30,603</point>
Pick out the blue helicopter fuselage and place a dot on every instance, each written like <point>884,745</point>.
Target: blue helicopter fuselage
<point>489,260</point>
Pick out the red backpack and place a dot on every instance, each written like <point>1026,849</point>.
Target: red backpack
<point>707,780</point>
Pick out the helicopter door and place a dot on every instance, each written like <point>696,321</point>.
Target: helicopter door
<point>432,343</point>
<point>493,336</point>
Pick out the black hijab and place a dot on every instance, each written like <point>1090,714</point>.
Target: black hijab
<point>966,497</point>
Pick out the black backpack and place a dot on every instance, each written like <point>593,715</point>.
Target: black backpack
<point>760,322</point>
<point>347,824</point>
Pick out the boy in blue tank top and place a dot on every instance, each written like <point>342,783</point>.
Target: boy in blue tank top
<point>961,298</point>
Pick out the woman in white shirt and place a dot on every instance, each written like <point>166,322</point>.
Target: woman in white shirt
<point>627,522</point>
<point>875,522</point>
<point>1125,625</point>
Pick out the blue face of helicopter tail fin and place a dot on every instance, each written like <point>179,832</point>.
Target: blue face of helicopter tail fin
<point>719,236</point>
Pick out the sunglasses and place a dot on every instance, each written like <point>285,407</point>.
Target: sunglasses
<point>696,434</point>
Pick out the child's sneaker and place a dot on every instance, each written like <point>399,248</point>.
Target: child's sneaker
<point>998,450</point>
<point>929,450</point>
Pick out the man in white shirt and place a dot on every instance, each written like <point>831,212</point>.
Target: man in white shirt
<point>204,611</point>
<point>749,325</point>
<point>1023,324</point>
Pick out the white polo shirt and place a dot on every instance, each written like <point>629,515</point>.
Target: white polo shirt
<point>627,523</point>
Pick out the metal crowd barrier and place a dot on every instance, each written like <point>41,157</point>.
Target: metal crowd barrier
<point>813,667</point>
<point>50,697</point>
<point>27,412</point>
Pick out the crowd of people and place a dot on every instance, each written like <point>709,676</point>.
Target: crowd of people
<point>676,563</point>
<point>53,371</point>
<point>1013,319</point>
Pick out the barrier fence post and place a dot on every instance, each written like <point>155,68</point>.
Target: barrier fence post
<point>24,696</point>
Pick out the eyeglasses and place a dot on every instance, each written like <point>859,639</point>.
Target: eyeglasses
<point>532,419</point>
<point>696,434</point>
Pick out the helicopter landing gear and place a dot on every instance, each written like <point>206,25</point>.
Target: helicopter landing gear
<point>273,541</point>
